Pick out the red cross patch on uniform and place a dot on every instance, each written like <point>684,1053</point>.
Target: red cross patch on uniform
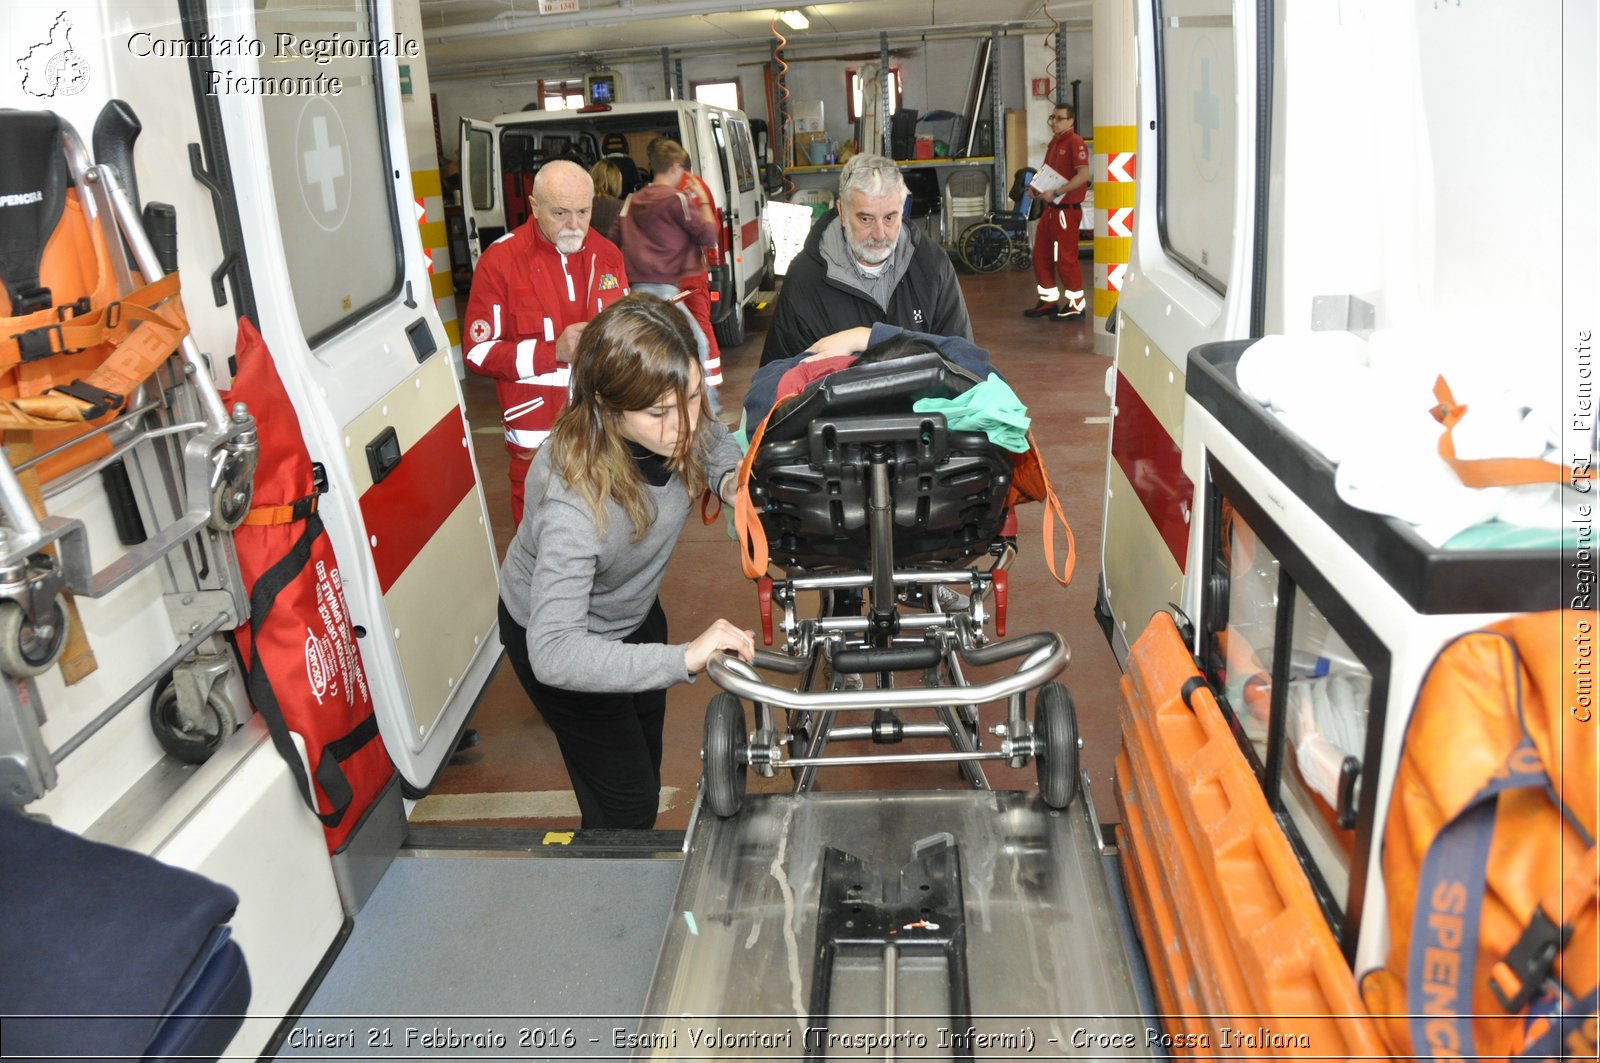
<point>608,281</point>
<point>478,331</point>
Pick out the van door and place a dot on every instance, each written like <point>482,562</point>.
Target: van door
<point>752,241</point>
<point>731,281</point>
<point>480,185</point>
<point>1190,279</point>
<point>345,307</point>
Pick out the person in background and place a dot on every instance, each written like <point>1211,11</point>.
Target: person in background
<point>534,290</point>
<point>861,266</point>
<point>608,495</point>
<point>1055,241</point>
<point>607,198</point>
<point>697,282</point>
<point>663,230</point>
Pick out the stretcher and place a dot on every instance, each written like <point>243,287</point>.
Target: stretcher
<point>850,471</point>
<point>101,377</point>
<point>962,925</point>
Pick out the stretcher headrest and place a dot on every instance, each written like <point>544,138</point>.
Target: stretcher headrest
<point>33,191</point>
<point>879,388</point>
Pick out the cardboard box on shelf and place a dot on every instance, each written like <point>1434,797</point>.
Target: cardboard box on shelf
<point>806,115</point>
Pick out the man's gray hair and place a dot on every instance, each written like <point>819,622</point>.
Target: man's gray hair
<point>871,175</point>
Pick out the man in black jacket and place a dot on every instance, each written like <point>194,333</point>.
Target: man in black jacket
<point>861,266</point>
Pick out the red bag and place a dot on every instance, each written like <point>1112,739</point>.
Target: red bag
<point>302,666</point>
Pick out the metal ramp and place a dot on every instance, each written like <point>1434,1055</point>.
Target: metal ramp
<point>942,925</point>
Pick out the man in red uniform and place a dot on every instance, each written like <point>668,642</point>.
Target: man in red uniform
<point>1055,242</point>
<point>532,294</point>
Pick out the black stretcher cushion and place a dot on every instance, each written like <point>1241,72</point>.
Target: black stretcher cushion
<point>810,479</point>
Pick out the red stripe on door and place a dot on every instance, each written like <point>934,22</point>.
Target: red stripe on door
<point>1153,464</point>
<point>749,233</point>
<point>410,504</point>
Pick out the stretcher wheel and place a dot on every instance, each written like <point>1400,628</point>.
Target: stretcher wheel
<point>192,742</point>
<point>723,767</point>
<point>985,248</point>
<point>28,648</point>
<point>1055,721</point>
<point>230,503</point>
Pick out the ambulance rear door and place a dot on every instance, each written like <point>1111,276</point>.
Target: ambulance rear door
<point>1189,282</point>
<point>344,297</point>
<point>480,185</point>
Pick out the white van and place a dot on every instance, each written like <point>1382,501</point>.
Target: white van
<point>499,158</point>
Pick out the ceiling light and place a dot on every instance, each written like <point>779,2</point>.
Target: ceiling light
<point>795,20</point>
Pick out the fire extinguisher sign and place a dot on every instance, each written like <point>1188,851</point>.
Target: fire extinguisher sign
<point>1041,88</point>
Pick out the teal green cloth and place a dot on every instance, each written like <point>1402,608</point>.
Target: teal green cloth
<point>991,408</point>
<point>1498,535</point>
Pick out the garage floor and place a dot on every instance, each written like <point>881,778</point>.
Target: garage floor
<point>514,777</point>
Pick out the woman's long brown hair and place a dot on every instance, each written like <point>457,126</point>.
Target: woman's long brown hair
<point>634,351</point>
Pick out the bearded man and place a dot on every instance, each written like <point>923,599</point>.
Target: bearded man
<point>862,266</point>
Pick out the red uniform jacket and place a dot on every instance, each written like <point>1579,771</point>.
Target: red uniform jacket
<point>524,293</point>
<point>1066,155</point>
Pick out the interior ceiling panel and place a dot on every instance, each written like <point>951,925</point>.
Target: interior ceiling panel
<point>478,36</point>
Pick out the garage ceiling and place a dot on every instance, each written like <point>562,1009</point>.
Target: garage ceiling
<point>473,37</point>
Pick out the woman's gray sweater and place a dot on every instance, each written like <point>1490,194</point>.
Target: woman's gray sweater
<point>578,591</point>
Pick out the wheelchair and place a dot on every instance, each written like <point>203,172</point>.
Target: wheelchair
<point>887,513</point>
<point>1000,240</point>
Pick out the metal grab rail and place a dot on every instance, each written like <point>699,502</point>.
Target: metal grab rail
<point>1047,657</point>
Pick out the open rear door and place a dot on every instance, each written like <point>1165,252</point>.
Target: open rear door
<point>345,306</point>
<point>481,193</point>
<point>1189,282</point>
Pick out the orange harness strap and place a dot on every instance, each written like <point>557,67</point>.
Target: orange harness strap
<point>754,557</point>
<point>1052,514</point>
<point>138,352</point>
<point>1488,472</point>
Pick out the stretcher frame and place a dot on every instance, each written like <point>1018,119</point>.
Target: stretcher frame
<point>874,645</point>
<point>192,462</point>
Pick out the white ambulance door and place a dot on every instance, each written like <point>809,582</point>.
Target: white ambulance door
<point>481,194</point>
<point>344,299</point>
<point>750,237</point>
<point>1189,282</point>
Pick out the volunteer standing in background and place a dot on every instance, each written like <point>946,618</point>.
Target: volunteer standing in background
<point>697,282</point>
<point>1061,184</point>
<point>608,495</point>
<point>664,230</point>
<point>532,293</point>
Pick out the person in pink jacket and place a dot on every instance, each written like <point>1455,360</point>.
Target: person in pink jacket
<point>664,231</point>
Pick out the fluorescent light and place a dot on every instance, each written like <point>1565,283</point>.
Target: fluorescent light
<point>795,20</point>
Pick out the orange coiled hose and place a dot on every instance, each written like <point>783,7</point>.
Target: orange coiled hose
<point>785,138</point>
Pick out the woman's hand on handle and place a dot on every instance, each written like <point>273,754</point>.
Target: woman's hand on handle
<point>721,636</point>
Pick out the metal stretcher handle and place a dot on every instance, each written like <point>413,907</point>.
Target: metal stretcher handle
<point>1047,657</point>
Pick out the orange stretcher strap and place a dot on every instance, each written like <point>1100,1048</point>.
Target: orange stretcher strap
<point>1488,472</point>
<point>288,513</point>
<point>1052,514</point>
<point>57,396</point>
<point>47,332</point>
<point>754,557</point>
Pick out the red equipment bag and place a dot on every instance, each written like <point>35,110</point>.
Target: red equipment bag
<point>303,668</point>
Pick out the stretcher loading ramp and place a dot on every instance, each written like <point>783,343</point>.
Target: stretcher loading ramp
<point>932,925</point>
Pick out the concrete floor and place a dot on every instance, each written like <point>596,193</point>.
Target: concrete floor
<point>514,777</point>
